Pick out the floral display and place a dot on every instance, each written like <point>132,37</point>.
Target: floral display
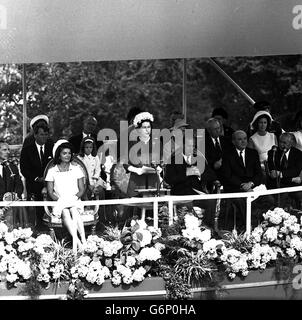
<point>186,253</point>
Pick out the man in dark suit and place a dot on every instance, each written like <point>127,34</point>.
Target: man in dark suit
<point>11,186</point>
<point>221,115</point>
<point>33,161</point>
<point>285,166</point>
<point>241,171</point>
<point>186,176</point>
<point>29,139</point>
<point>89,127</point>
<point>215,145</point>
<point>10,180</point>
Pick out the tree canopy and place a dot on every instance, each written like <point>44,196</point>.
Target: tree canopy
<point>68,91</point>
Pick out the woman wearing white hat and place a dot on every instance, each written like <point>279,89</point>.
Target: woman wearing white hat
<point>65,184</point>
<point>262,140</point>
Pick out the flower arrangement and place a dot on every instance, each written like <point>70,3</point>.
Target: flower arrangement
<point>184,254</point>
<point>123,256</point>
<point>142,116</point>
<point>15,254</point>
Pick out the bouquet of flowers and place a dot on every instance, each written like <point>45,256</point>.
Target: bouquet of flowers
<point>280,231</point>
<point>15,254</point>
<point>124,256</point>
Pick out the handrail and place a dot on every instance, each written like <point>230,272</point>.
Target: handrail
<point>250,196</point>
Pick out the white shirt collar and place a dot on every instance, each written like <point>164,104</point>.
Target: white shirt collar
<point>287,153</point>
<point>214,140</point>
<point>86,134</point>
<point>238,151</point>
<point>39,146</point>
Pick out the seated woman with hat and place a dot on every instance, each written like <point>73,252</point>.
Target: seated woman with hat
<point>65,184</point>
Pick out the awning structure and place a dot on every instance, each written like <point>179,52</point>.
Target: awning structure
<point>90,30</point>
<point>35,31</point>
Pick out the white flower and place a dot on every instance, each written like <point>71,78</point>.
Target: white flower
<point>46,277</point>
<point>271,234</point>
<point>100,279</point>
<point>92,276</point>
<point>291,252</point>
<point>159,246</point>
<point>143,116</point>
<point>296,243</point>
<point>143,236</point>
<point>3,266</point>
<point>9,238</point>
<point>191,222</point>
<point>11,277</point>
<point>24,269</point>
<point>150,254</point>
<point>211,245</point>
<point>294,228</point>
<point>116,280</point>
<point>245,273</point>
<point>232,275</point>
<point>138,274</point>
<point>128,280</point>
<point>3,229</point>
<point>131,261</point>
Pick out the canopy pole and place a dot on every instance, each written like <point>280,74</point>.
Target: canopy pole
<point>231,81</point>
<point>24,101</point>
<point>184,88</point>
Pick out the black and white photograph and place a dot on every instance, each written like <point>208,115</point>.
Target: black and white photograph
<point>150,150</point>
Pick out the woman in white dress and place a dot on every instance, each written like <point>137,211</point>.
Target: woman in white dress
<point>298,132</point>
<point>262,140</point>
<point>65,184</point>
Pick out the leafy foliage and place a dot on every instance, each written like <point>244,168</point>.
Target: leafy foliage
<point>67,91</point>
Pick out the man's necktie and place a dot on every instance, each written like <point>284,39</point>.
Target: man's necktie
<point>41,154</point>
<point>241,158</point>
<point>283,161</point>
<point>217,145</point>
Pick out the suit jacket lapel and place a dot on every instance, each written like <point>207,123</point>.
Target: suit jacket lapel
<point>2,183</point>
<point>247,159</point>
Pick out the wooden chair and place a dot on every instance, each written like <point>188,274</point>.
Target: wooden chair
<point>90,216</point>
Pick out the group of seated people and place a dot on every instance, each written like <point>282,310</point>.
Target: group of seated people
<point>263,155</point>
<point>238,160</point>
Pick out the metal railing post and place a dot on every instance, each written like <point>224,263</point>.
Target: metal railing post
<point>170,207</point>
<point>155,213</point>
<point>249,200</point>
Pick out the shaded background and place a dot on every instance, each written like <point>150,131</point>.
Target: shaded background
<point>68,91</point>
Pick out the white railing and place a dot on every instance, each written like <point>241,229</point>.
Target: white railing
<point>171,200</point>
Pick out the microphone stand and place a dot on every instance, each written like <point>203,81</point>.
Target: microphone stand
<point>157,179</point>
